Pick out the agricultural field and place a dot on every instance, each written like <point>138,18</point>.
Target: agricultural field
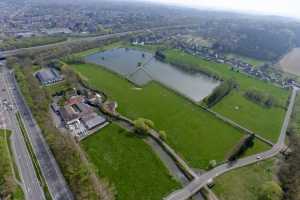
<point>195,134</point>
<point>244,183</point>
<point>265,121</point>
<point>8,187</point>
<point>129,165</point>
<point>290,62</point>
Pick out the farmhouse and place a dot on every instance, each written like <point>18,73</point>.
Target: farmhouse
<point>80,117</point>
<point>48,76</point>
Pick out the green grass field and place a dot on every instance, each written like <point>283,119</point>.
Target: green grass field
<point>195,134</point>
<point>129,164</point>
<point>244,183</point>
<point>266,122</point>
<point>6,170</point>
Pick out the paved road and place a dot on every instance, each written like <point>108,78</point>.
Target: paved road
<point>90,39</point>
<point>55,181</point>
<point>194,186</point>
<point>30,184</point>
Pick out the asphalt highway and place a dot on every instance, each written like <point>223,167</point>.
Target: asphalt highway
<point>95,38</point>
<point>30,183</point>
<point>55,181</point>
<point>201,181</point>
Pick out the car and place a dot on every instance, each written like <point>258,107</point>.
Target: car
<point>258,157</point>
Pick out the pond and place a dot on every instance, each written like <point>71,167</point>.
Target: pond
<point>141,67</point>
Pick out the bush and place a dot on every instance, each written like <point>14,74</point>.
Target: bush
<point>159,55</point>
<point>220,92</point>
<point>212,164</point>
<point>162,135</point>
<point>142,125</point>
<point>270,191</point>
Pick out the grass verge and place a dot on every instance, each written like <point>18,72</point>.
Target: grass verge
<point>33,158</point>
<point>8,186</point>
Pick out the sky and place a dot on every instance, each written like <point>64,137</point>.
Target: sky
<point>289,8</point>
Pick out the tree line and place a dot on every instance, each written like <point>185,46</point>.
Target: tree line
<point>220,92</point>
<point>260,98</point>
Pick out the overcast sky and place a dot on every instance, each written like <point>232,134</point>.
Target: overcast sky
<point>289,8</point>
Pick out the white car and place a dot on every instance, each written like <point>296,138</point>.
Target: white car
<point>258,157</point>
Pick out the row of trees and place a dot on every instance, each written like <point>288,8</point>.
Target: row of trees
<point>289,171</point>
<point>220,92</point>
<point>260,98</point>
<point>143,126</point>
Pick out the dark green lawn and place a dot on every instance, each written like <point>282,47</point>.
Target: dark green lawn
<point>195,134</point>
<point>129,164</point>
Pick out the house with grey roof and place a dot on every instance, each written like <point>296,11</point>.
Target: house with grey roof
<point>48,76</point>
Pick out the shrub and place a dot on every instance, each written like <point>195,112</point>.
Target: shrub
<point>270,191</point>
<point>143,125</point>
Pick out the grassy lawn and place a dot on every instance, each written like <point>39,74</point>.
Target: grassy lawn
<point>244,183</point>
<point>248,60</point>
<point>193,133</point>
<point>129,164</point>
<point>7,183</point>
<point>266,122</point>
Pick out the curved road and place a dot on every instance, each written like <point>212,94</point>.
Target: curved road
<point>194,186</point>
